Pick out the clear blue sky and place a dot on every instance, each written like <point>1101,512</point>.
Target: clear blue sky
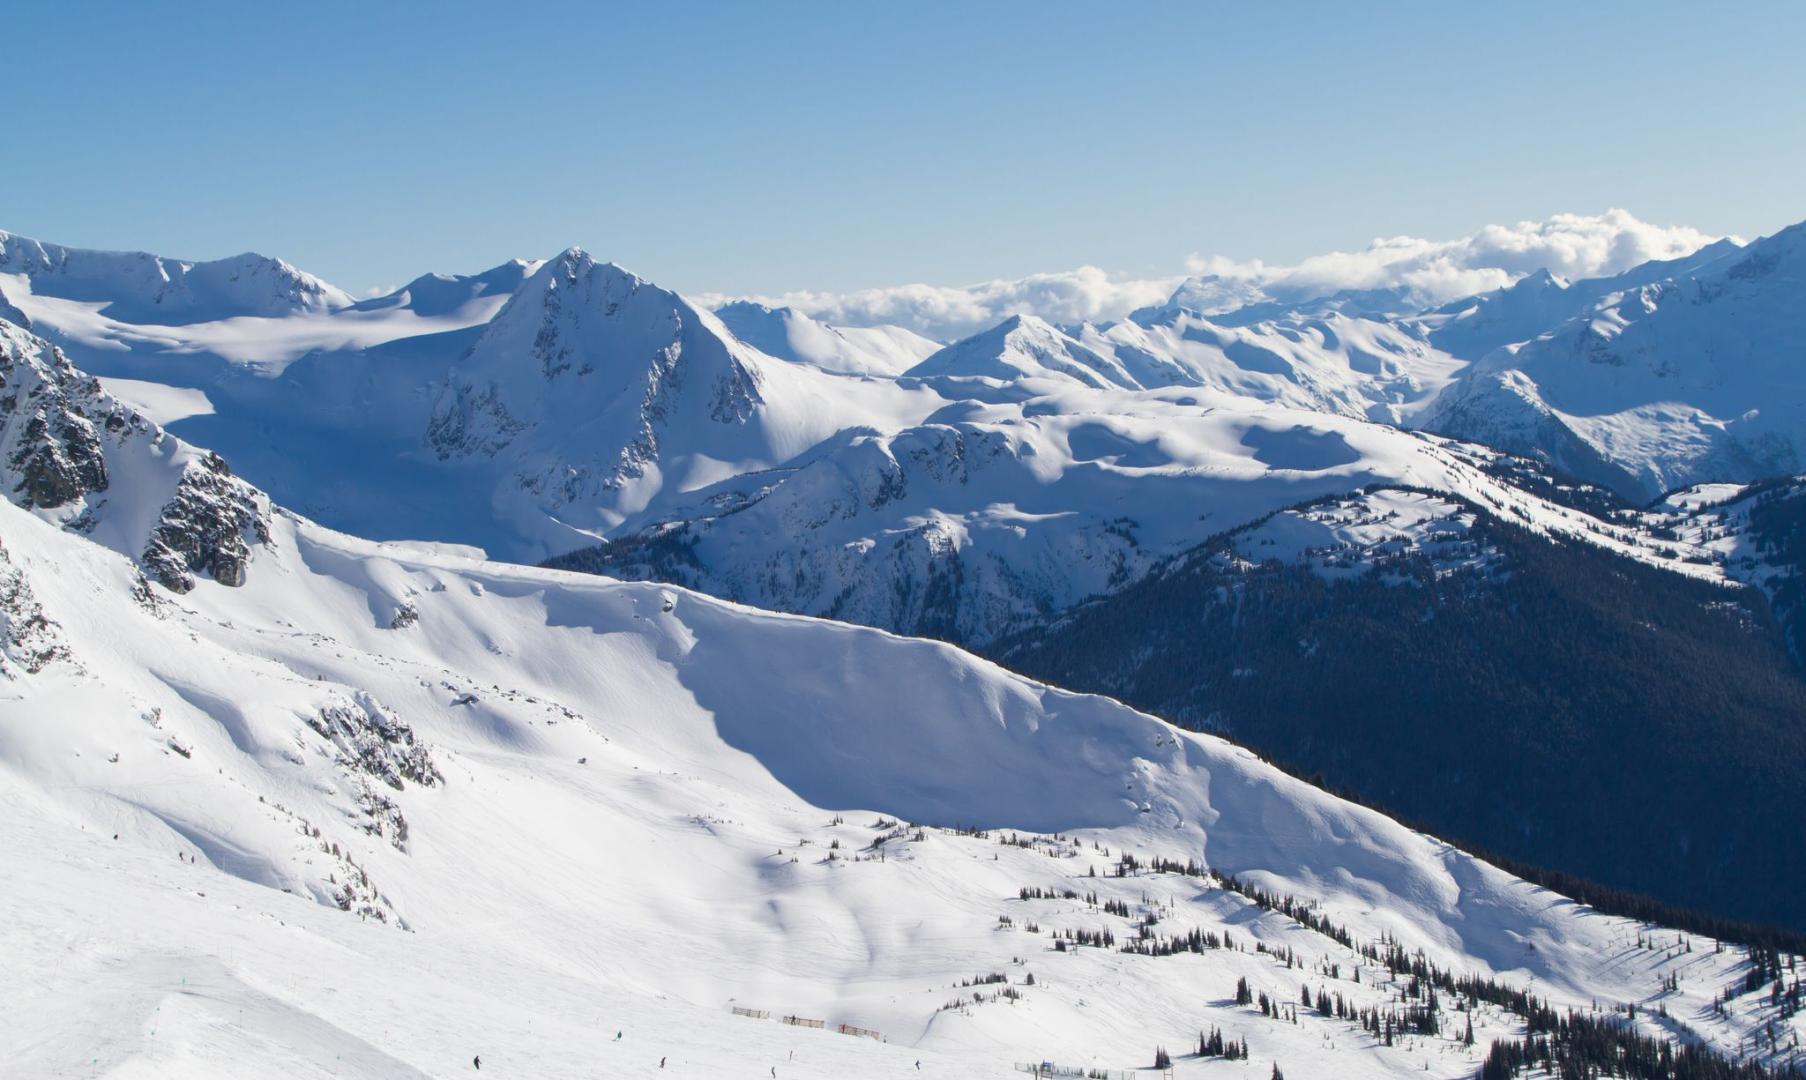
<point>750,147</point>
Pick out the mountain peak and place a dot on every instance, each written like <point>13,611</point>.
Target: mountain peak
<point>1022,346</point>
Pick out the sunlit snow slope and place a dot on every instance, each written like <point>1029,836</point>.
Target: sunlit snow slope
<point>355,809</point>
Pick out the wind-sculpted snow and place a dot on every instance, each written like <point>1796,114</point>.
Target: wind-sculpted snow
<point>657,804</point>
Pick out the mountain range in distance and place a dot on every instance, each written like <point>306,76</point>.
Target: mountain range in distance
<point>1523,570</point>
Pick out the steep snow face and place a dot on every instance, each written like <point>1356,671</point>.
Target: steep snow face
<point>592,391</point>
<point>788,334</point>
<point>76,456</point>
<point>1657,386</point>
<point>991,517</point>
<point>601,807</point>
<point>143,288</point>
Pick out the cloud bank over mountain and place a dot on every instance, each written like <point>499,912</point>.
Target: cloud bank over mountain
<point>1431,271</point>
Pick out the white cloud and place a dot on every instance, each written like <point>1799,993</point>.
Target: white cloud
<point>1571,245</point>
<point>947,312</point>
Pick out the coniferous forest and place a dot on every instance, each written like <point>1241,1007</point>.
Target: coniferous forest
<point>1563,707</point>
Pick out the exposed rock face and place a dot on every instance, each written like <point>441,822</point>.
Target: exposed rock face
<point>204,529</point>
<point>371,743</point>
<point>374,741</point>
<point>62,439</point>
<point>29,642</point>
<point>51,420</point>
<point>58,460</point>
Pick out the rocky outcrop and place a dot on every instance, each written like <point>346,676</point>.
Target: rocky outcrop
<point>372,744</point>
<point>62,438</point>
<point>206,529</point>
<point>29,642</point>
<point>52,421</point>
<point>377,743</point>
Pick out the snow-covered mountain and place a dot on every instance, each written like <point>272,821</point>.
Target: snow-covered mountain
<point>788,334</point>
<point>424,808</point>
<point>1330,363</point>
<point>592,392</point>
<point>1540,301</point>
<point>73,454</point>
<point>1021,347</point>
<point>142,288</point>
<point>433,392</point>
<point>990,517</point>
<point>1678,381</point>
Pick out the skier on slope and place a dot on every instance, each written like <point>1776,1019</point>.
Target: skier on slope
<point>477,1063</point>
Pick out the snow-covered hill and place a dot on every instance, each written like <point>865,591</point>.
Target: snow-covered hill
<point>374,810</point>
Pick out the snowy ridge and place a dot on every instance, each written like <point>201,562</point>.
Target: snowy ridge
<point>601,807</point>
<point>144,288</point>
<point>1022,347</point>
<point>991,517</point>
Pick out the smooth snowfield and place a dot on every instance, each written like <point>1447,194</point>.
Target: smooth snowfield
<point>649,806</point>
